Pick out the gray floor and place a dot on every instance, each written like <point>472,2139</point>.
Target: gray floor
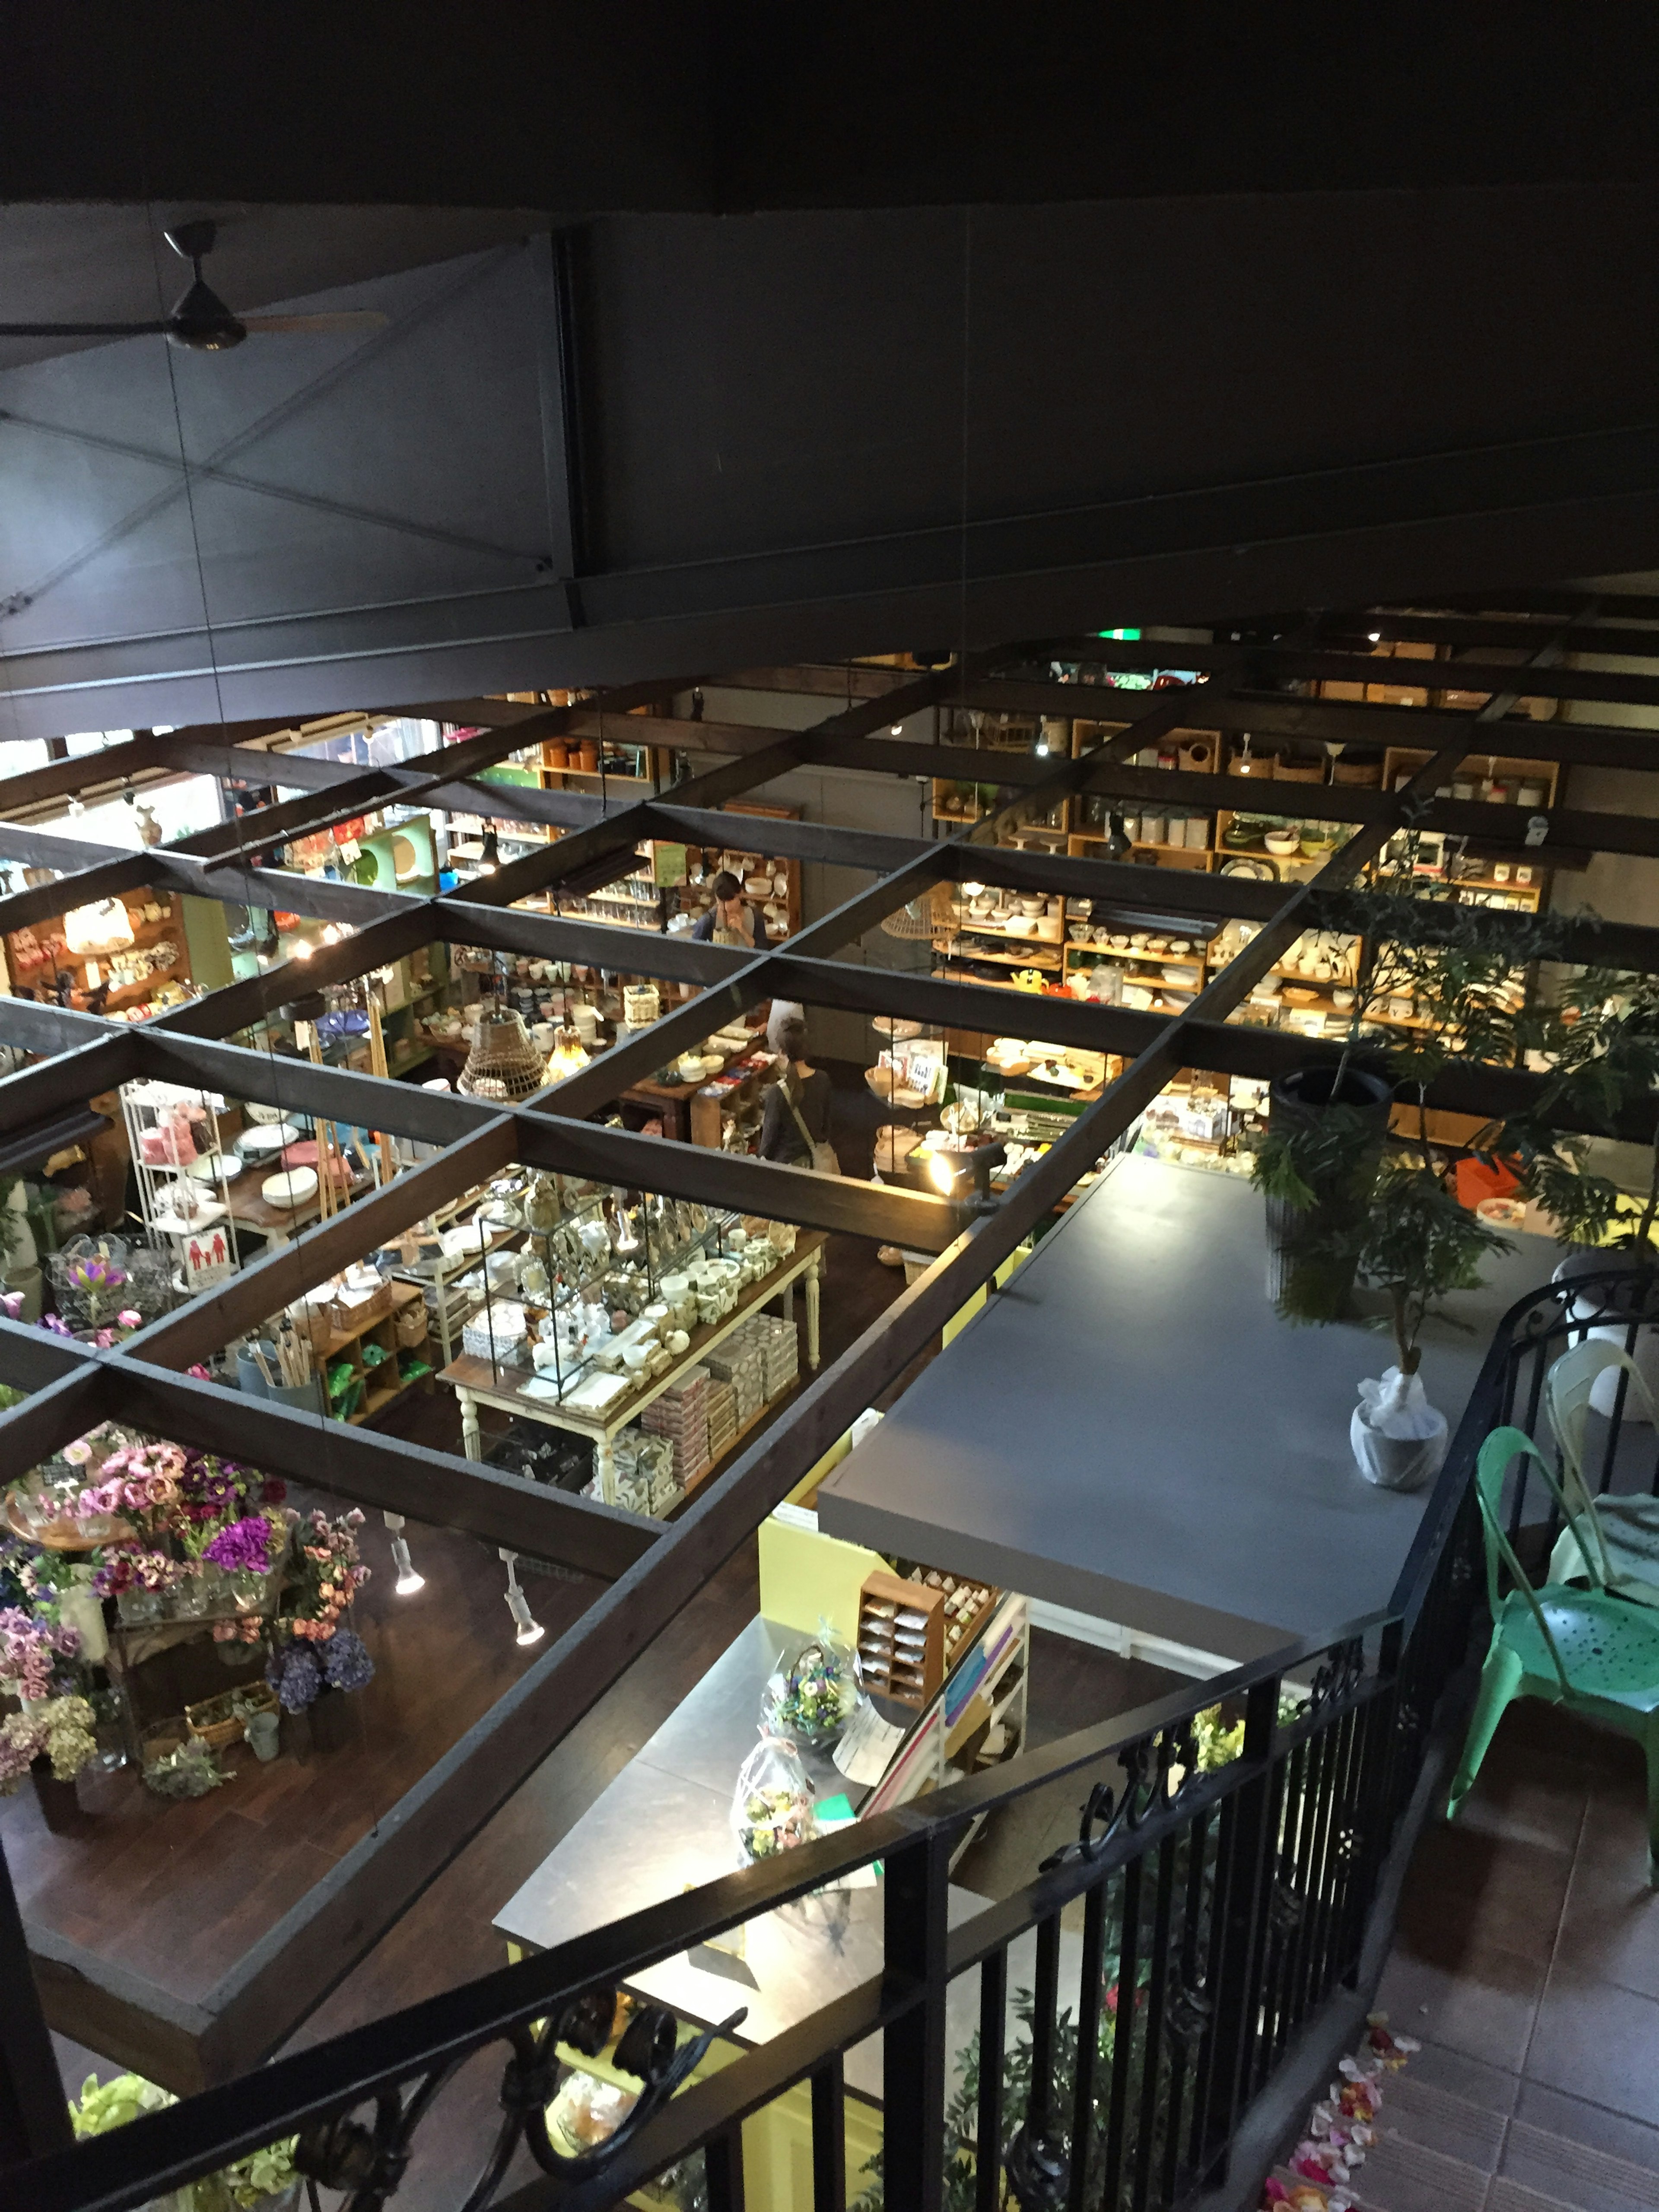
<point>1129,1430</point>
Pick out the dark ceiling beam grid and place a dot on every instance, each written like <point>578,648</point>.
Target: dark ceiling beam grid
<point>385,1473</point>
<point>239,1006</point>
<point>1395,626</point>
<point>596,1085</point>
<point>312,813</point>
<point>314,1946</point>
<point>260,1290</point>
<point>1312,664</point>
<point>1369,722</point>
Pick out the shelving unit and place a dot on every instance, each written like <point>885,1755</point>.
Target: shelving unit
<point>366,1394</point>
<point>35,957</point>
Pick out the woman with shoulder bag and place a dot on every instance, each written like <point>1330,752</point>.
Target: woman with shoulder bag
<point>796,1127</point>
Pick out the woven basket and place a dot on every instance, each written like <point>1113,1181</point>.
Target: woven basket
<point>412,1326</point>
<point>347,1320</point>
<point>214,1724</point>
<point>503,1063</point>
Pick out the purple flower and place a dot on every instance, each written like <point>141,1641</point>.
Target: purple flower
<point>346,1662</point>
<point>295,1676</point>
<point>244,1547</point>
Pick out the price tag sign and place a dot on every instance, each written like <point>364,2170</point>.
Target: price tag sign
<point>667,865</point>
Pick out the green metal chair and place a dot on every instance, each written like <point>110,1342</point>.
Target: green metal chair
<point>1581,1648</point>
<point>1621,1546</point>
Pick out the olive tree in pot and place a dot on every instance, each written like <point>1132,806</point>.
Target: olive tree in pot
<point>1357,1200</point>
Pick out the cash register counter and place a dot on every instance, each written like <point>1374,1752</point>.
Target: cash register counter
<point>664,1825</point>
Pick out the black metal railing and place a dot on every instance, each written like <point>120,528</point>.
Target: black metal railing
<point>1225,1877</point>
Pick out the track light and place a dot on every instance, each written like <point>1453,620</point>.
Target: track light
<point>408,1580</point>
<point>489,853</point>
<point>530,1630</point>
<point>301,948</point>
<point>898,729</point>
<point>1118,845</point>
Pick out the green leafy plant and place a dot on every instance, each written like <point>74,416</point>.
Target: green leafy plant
<point>1599,1040</point>
<point>1419,1245</point>
<point>248,2182</point>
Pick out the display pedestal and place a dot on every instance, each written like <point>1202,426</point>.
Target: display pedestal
<point>59,1806</point>
<point>330,1724</point>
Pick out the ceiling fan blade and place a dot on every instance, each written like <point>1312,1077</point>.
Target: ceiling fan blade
<point>82,329</point>
<point>364,319</point>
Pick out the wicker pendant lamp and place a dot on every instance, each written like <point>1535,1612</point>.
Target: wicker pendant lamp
<point>503,1063</point>
<point>929,915</point>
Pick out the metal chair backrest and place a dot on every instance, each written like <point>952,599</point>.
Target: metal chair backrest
<point>1490,1467</point>
<point>1568,1389</point>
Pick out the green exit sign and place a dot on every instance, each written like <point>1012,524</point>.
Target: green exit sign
<point>1123,636</point>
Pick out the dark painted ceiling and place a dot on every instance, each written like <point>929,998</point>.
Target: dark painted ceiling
<point>899,329</point>
<point>591,105</point>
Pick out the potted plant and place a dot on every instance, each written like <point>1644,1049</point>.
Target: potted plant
<point>1458,968</point>
<point>51,1742</point>
<point>1419,1244</point>
<point>266,2180</point>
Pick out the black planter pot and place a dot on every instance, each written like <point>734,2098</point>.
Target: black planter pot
<point>59,1805</point>
<point>1301,1286</point>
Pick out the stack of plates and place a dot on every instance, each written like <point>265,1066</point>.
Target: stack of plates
<point>291,1188</point>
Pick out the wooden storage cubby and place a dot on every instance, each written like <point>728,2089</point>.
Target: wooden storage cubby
<point>378,1391</point>
<point>880,1651</point>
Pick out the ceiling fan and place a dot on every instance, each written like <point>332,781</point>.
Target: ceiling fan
<point>200,320</point>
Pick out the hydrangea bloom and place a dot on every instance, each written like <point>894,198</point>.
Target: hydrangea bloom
<point>346,1662</point>
<point>295,1675</point>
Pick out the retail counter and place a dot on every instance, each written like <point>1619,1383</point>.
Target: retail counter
<point>664,1825</point>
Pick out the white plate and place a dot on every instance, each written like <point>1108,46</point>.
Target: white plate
<point>266,1141</point>
<point>292,1187</point>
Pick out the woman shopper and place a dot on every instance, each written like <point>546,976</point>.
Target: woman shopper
<point>796,1126</point>
<point>731,919</point>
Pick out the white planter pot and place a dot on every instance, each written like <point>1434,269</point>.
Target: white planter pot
<point>1397,1462</point>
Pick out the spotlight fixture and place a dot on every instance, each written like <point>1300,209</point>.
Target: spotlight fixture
<point>1118,845</point>
<point>942,1166</point>
<point>530,1630</point>
<point>490,858</point>
<point>1374,636</point>
<point>408,1580</point>
<point>898,729</point>
<point>301,948</point>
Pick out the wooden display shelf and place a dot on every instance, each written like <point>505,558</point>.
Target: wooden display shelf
<point>348,1344</point>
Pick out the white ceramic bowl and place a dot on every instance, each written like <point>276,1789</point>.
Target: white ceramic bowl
<point>293,1186</point>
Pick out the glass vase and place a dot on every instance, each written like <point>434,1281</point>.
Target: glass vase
<point>137,1607</point>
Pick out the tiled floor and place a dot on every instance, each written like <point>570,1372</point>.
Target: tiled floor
<point>1528,1950</point>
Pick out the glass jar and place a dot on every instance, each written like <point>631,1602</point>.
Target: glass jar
<point>136,1607</point>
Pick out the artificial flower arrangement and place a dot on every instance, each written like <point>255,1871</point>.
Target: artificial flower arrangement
<point>248,2182</point>
<point>35,1655</point>
<point>247,1550</point>
<point>320,1652</point>
<point>59,1730</point>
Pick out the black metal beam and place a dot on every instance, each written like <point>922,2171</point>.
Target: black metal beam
<point>388,1474</point>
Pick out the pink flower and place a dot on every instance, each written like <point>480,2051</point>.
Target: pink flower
<point>78,1453</point>
<point>129,1317</point>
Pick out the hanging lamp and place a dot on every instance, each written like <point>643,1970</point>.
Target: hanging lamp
<point>503,1063</point>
